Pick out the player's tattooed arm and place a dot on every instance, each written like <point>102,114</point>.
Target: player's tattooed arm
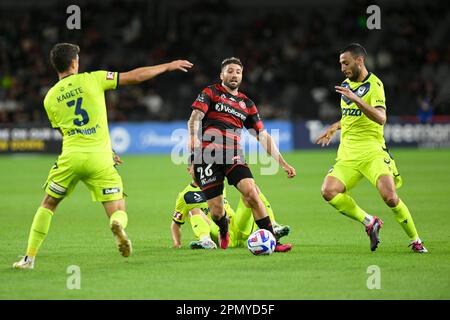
<point>374,113</point>
<point>194,127</point>
<point>139,75</point>
<point>271,148</point>
<point>325,138</point>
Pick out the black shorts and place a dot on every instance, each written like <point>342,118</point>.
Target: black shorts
<point>210,172</point>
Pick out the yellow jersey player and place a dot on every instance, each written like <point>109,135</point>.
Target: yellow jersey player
<point>191,204</point>
<point>76,106</point>
<point>362,151</point>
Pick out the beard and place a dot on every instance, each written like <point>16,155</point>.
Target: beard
<point>355,74</point>
<point>232,86</point>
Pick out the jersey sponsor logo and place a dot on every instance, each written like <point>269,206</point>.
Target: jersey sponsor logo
<point>220,107</point>
<point>110,75</point>
<point>107,191</point>
<point>207,181</point>
<point>351,112</point>
<point>85,132</point>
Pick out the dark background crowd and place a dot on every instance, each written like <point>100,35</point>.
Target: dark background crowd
<point>290,52</point>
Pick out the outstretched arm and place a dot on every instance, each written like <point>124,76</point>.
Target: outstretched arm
<point>325,138</point>
<point>271,148</point>
<point>146,73</point>
<point>176,234</point>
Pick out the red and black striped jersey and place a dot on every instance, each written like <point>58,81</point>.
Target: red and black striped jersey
<point>225,116</point>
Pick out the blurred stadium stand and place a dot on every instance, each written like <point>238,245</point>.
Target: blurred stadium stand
<point>289,49</point>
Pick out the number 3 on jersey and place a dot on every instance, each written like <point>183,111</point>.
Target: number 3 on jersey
<point>79,111</point>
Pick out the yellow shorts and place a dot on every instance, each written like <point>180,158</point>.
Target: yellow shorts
<point>96,170</point>
<point>378,164</point>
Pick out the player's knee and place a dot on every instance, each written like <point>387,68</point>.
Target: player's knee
<point>195,211</point>
<point>390,198</point>
<point>251,196</point>
<point>50,202</point>
<point>216,209</point>
<point>328,192</point>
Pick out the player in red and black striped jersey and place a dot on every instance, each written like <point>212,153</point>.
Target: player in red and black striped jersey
<point>219,114</point>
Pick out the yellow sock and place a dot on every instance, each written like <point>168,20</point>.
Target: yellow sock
<point>119,216</point>
<point>347,206</point>
<point>39,229</point>
<point>403,217</point>
<point>268,207</point>
<point>199,226</point>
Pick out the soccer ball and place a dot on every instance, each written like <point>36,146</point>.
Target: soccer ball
<point>261,242</point>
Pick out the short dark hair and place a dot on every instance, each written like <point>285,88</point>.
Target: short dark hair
<point>355,49</point>
<point>62,54</point>
<point>231,60</point>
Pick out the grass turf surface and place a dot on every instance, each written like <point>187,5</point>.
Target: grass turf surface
<point>329,260</point>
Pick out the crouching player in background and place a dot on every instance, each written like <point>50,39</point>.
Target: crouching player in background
<point>191,204</point>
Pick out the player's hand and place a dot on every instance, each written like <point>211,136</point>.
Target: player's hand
<point>182,65</point>
<point>117,160</point>
<point>176,246</point>
<point>325,138</point>
<point>289,170</point>
<point>346,92</point>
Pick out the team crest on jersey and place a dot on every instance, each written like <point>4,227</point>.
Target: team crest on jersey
<point>361,90</point>
<point>110,75</point>
<point>242,104</point>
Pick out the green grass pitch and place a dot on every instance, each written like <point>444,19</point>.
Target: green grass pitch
<point>329,260</point>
